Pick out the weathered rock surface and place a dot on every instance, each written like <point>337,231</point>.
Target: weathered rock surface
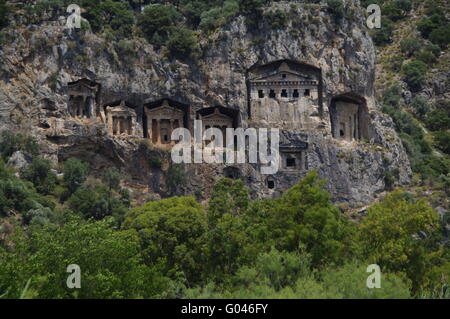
<point>43,59</point>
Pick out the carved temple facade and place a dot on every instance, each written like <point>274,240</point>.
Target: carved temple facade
<point>121,119</point>
<point>83,98</point>
<point>284,94</point>
<point>349,118</point>
<point>164,116</point>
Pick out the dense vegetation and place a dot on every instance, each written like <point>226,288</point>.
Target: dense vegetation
<point>297,246</point>
<point>419,46</point>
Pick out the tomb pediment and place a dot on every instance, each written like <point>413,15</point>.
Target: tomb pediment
<point>216,117</point>
<point>120,109</point>
<point>83,86</point>
<point>166,110</point>
<point>283,76</point>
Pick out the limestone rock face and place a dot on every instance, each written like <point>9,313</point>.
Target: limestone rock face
<point>37,68</point>
<point>19,160</point>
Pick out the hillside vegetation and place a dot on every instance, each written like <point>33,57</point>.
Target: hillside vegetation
<point>299,245</point>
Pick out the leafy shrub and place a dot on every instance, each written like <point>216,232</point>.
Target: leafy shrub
<point>410,46</point>
<point>211,19</point>
<point>336,7</point>
<point>405,5</point>
<point>438,120</point>
<point>441,36</point>
<point>96,201</point>
<point>383,35</point>
<point>175,178</point>
<point>392,11</point>
<point>430,23</point>
<point>277,19</point>
<point>117,16</point>
<point>434,49</point>
<point>38,216</point>
<point>442,140</point>
<point>155,161</point>
<point>420,106</point>
<point>3,14</point>
<point>39,172</point>
<point>182,42</point>
<point>414,73</point>
<point>251,7</point>
<point>392,95</point>
<point>19,196</point>
<point>75,172</point>
<point>349,282</point>
<point>156,22</point>
<point>109,15</point>
<point>426,57</point>
<point>218,16</point>
<point>112,177</point>
<point>11,143</point>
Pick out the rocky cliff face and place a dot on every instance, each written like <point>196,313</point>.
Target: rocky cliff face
<point>43,59</point>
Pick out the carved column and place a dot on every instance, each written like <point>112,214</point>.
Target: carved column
<point>83,107</point>
<point>149,127</point>
<point>132,121</point>
<point>91,111</point>
<point>158,131</point>
<point>110,124</point>
<point>122,125</point>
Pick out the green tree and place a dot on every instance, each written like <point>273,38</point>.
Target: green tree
<point>336,7</point>
<point>182,42</point>
<point>112,177</point>
<point>438,119</point>
<point>111,263</point>
<point>229,196</point>
<point>175,178</point>
<point>75,172</point>
<point>410,46</point>
<point>349,282</point>
<point>3,14</point>
<point>11,143</point>
<point>414,73</point>
<point>39,172</point>
<point>430,23</point>
<point>383,35</point>
<point>420,106</point>
<point>442,140</point>
<point>98,202</point>
<point>19,196</point>
<point>117,16</point>
<point>441,36</point>
<point>251,7</point>
<point>392,96</point>
<point>304,215</point>
<point>172,233</point>
<point>227,237</point>
<point>388,236</point>
<point>156,21</point>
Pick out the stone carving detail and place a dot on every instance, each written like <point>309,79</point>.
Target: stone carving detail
<point>82,98</point>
